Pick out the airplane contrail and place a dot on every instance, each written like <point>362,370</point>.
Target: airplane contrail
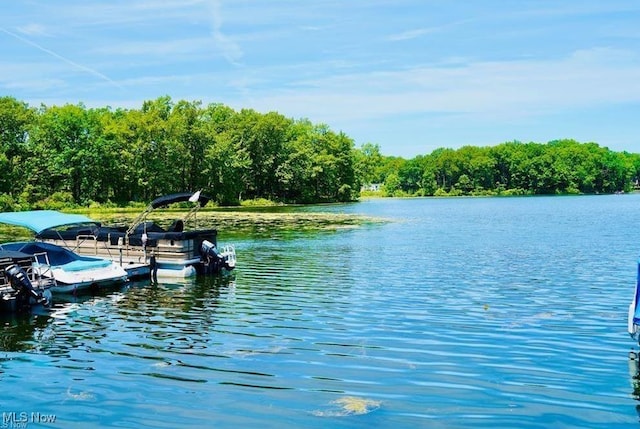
<point>60,57</point>
<point>230,50</point>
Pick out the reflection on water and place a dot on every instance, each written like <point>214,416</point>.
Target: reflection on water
<point>17,333</point>
<point>71,322</point>
<point>458,313</point>
<point>634,374</point>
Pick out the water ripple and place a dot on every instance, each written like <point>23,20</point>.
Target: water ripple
<point>461,313</point>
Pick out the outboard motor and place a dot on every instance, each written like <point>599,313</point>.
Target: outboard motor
<point>20,282</point>
<point>208,249</point>
<point>214,260</point>
<point>211,258</point>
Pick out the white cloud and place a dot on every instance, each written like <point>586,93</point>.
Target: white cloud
<point>33,84</point>
<point>33,29</point>
<point>486,88</point>
<point>413,34</point>
<point>156,48</point>
<point>229,48</point>
<point>129,12</point>
<point>410,34</point>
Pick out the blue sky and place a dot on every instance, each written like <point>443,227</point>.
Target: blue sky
<point>408,75</point>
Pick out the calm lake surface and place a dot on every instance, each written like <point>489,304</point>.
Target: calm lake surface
<point>456,313</point>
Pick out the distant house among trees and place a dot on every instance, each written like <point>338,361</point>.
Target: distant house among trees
<point>374,187</point>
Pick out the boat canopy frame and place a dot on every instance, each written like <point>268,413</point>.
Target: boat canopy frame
<point>198,198</point>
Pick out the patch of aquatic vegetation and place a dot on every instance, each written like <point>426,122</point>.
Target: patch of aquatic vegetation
<point>349,406</point>
<point>295,220</point>
<point>248,221</point>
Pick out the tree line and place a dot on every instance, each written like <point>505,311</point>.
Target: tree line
<point>74,155</point>
<point>511,168</point>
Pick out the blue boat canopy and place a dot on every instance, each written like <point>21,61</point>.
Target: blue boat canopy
<point>39,220</point>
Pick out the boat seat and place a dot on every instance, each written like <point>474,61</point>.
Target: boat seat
<point>148,226</point>
<point>85,264</point>
<point>176,226</point>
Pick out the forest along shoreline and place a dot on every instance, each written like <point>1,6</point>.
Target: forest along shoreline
<point>83,157</point>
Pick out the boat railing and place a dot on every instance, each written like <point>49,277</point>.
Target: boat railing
<point>90,244</point>
<point>39,280</point>
<point>81,238</point>
<point>229,254</point>
<point>40,272</point>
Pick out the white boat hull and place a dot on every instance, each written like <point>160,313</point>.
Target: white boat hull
<point>74,281</point>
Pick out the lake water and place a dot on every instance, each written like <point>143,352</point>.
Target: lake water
<point>455,313</point>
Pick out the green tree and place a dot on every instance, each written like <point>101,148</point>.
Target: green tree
<point>188,143</point>
<point>428,183</point>
<point>410,175</point>
<point>16,119</point>
<point>119,137</point>
<point>368,161</point>
<point>392,184</point>
<point>66,143</point>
